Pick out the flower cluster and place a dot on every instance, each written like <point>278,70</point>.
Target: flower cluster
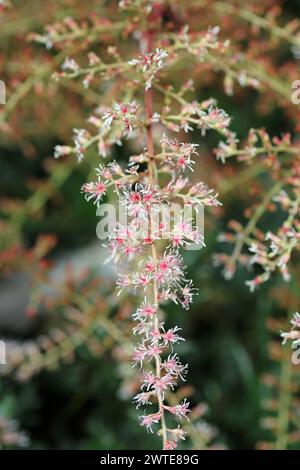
<point>150,64</point>
<point>270,250</point>
<point>125,113</point>
<point>94,191</point>
<point>178,155</point>
<point>159,274</point>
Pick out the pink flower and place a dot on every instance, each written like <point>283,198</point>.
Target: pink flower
<point>178,155</point>
<point>143,399</point>
<point>145,311</point>
<point>125,113</point>
<point>155,335</point>
<point>123,281</point>
<point>149,420</point>
<point>183,233</point>
<point>180,410</point>
<point>139,354</point>
<point>94,191</point>
<point>173,366</point>
<point>149,380</point>
<point>170,445</point>
<point>170,336</point>
<point>153,351</point>
<point>142,280</point>
<point>170,269</point>
<point>150,64</point>
<point>186,295</point>
<point>164,383</point>
<point>142,328</point>
<point>140,200</point>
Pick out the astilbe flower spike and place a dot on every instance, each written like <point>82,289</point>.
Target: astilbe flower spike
<point>160,276</point>
<point>146,249</point>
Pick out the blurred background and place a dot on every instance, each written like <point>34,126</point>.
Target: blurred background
<point>68,383</point>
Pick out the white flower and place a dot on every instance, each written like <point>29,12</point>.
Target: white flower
<point>70,64</point>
